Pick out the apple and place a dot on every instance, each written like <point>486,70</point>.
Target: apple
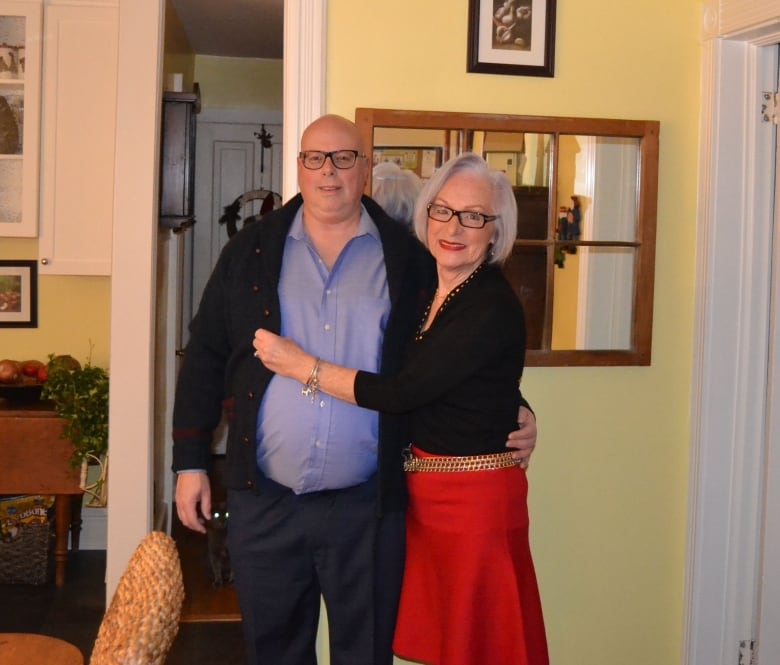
<point>10,371</point>
<point>31,367</point>
<point>43,374</point>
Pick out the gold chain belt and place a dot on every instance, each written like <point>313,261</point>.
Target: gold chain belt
<point>413,463</point>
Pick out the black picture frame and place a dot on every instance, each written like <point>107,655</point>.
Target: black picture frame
<point>18,294</point>
<point>492,45</point>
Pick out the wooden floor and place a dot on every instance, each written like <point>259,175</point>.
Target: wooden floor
<point>74,612</point>
<point>202,602</point>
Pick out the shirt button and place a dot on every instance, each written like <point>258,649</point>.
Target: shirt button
<point>318,444</point>
<point>245,439</point>
<point>250,395</point>
<point>322,403</point>
<point>255,288</point>
<point>266,312</point>
<point>327,326</point>
<point>249,484</point>
<point>327,292</point>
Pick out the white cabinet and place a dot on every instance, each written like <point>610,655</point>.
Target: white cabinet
<point>20,72</point>
<point>80,58</point>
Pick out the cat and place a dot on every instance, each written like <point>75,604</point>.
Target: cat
<point>219,557</point>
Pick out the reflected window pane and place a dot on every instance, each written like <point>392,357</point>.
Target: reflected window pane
<point>592,299</point>
<point>597,187</point>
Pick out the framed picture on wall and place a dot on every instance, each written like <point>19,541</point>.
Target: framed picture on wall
<point>515,37</point>
<point>422,160</point>
<point>18,294</point>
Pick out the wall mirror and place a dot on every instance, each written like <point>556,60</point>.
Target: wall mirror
<point>584,258</point>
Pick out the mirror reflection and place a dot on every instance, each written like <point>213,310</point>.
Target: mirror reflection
<point>585,189</point>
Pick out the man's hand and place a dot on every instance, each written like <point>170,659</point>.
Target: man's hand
<point>193,487</point>
<point>523,439</point>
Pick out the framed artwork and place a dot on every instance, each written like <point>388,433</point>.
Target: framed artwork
<point>18,294</point>
<point>515,37</point>
<point>423,161</point>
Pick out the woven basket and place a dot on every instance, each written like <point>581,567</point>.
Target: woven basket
<point>143,617</point>
<point>25,560</point>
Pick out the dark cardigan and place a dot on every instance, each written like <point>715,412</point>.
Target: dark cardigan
<point>219,368</point>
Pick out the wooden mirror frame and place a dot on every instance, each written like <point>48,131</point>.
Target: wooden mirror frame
<point>647,133</point>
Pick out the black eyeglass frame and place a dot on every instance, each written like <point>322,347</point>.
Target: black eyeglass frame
<point>457,213</point>
<point>325,155</point>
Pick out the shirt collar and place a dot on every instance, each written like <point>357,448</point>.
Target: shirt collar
<point>366,226</point>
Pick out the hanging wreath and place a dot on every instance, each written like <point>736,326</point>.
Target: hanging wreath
<point>270,201</point>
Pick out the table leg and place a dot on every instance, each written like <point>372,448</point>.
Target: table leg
<point>62,523</point>
<point>75,521</point>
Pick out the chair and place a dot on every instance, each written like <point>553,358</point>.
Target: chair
<point>142,619</point>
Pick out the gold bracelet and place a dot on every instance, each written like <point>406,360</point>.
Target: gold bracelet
<point>312,385</point>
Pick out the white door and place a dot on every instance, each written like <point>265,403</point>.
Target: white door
<point>233,155</point>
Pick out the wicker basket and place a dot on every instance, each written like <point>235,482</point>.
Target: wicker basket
<point>25,548</point>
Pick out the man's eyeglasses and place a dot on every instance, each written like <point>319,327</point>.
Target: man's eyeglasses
<point>468,218</point>
<point>341,159</point>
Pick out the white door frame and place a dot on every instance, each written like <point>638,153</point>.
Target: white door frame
<point>135,219</point>
<point>728,399</point>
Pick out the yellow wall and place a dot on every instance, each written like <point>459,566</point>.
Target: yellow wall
<point>240,83</point>
<point>73,314</point>
<point>609,478</point>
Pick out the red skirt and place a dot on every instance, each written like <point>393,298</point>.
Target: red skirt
<point>469,593</point>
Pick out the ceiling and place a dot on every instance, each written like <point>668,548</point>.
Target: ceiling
<point>233,28</point>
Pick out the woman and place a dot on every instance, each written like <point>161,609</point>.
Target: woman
<point>469,593</point>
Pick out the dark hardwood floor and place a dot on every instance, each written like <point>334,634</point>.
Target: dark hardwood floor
<point>74,612</point>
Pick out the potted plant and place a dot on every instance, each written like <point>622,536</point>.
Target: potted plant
<point>80,397</point>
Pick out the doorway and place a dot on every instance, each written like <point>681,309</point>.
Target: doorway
<point>236,152</point>
<point>769,587</point>
<point>132,284</point>
<point>731,514</point>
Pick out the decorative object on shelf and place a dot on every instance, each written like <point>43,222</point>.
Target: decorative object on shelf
<point>271,201</point>
<point>18,294</point>
<point>514,37</point>
<point>80,397</point>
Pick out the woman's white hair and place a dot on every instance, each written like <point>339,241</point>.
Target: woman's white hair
<point>504,203</point>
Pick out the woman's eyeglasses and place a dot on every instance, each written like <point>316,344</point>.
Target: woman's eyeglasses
<point>468,218</point>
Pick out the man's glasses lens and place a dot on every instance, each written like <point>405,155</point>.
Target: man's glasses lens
<point>467,218</point>
<point>341,159</point>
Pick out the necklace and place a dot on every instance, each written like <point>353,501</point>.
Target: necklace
<point>420,330</point>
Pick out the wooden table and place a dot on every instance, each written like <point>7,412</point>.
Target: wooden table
<point>31,649</point>
<point>35,460</point>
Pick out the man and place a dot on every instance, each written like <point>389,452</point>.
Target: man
<point>315,486</point>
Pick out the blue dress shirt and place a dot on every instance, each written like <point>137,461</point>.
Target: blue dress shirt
<point>340,316</point>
